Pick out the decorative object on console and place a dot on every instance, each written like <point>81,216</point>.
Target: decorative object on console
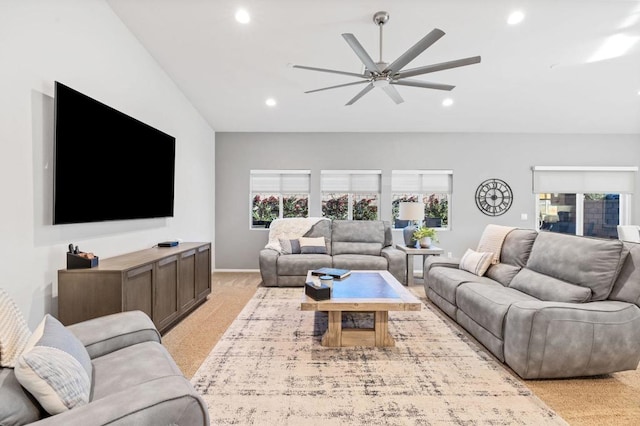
<point>77,259</point>
<point>494,197</point>
<point>413,212</point>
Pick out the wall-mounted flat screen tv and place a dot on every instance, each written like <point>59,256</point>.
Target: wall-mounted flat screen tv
<point>107,165</point>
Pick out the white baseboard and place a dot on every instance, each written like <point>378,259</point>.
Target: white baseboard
<point>236,270</point>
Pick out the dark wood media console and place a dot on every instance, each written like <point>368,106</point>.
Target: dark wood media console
<point>166,283</point>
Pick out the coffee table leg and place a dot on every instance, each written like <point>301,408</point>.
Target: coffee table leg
<point>333,336</point>
<point>383,338</point>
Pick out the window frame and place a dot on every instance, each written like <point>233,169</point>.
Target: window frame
<point>355,182</point>
<point>427,182</point>
<point>281,188</point>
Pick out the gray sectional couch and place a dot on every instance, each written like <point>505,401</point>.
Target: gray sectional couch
<point>135,381</point>
<point>555,306</point>
<point>350,244</point>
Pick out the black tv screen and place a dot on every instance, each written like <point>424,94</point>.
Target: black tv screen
<point>108,165</point>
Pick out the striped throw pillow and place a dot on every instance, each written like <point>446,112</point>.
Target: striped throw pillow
<point>476,262</point>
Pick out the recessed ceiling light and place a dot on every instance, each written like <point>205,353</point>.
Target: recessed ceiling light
<point>447,102</point>
<point>515,18</point>
<point>242,16</point>
<point>270,102</point>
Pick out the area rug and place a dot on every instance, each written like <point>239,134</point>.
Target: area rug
<point>270,369</point>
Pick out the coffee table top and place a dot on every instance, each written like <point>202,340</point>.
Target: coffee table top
<point>364,291</point>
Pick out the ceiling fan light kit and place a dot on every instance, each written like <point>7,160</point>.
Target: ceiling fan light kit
<point>384,75</point>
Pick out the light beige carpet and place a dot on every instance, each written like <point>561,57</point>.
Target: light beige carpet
<point>270,369</point>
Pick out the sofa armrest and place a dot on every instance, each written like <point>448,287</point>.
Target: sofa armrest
<point>397,261</point>
<point>268,267</point>
<point>166,401</point>
<point>110,333</point>
<point>556,339</point>
<point>439,261</point>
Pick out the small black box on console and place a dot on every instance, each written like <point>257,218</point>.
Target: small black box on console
<point>317,293</point>
<point>168,244</point>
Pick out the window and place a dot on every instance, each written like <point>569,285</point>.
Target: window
<point>278,194</point>
<point>350,194</point>
<point>431,187</point>
<point>588,201</point>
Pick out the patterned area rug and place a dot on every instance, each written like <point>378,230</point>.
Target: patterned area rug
<point>270,369</point>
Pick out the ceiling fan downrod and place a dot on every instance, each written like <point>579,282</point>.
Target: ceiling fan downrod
<point>381,18</point>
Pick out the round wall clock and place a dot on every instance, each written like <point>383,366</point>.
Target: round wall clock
<point>494,197</point>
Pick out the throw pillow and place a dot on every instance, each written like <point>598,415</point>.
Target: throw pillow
<point>309,245</point>
<point>476,262</point>
<point>55,367</point>
<point>289,246</point>
<point>14,332</point>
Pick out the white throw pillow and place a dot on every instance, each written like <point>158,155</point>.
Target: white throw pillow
<point>55,367</point>
<point>476,262</point>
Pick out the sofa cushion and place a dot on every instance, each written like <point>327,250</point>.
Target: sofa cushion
<point>130,366</point>
<point>14,332</point>
<point>517,247</point>
<point>627,285</point>
<point>488,305</point>
<point>300,264</point>
<point>502,273</point>
<point>18,407</point>
<point>584,261</point>
<point>359,261</point>
<point>549,289</point>
<point>358,237</point>
<point>476,262</point>
<point>312,245</point>
<point>55,367</point>
<point>444,281</point>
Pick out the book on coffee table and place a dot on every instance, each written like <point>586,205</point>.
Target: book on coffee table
<point>332,272</point>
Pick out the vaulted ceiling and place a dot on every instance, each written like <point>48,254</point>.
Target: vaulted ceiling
<point>540,76</point>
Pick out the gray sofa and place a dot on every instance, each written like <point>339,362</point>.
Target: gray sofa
<point>350,244</point>
<point>135,381</point>
<point>555,306</point>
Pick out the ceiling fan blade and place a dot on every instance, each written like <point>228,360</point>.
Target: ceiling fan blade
<point>393,94</point>
<point>437,67</point>
<point>424,84</point>
<point>360,94</point>
<point>353,74</point>
<point>415,50</point>
<point>362,54</point>
<point>335,87</point>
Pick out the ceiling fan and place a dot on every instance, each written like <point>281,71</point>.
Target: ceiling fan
<point>386,76</point>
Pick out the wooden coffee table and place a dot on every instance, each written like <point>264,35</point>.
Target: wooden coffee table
<point>362,291</point>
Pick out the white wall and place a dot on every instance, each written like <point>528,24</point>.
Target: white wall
<point>473,157</point>
<point>83,44</point>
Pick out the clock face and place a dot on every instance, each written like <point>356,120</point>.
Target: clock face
<point>494,197</point>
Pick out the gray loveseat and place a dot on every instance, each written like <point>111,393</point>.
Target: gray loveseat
<point>555,306</point>
<point>135,381</point>
<point>350,244</point>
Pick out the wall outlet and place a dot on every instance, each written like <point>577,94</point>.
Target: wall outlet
<point>524,216</point>
<point>449,255</point>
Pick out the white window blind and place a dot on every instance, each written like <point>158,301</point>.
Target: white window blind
<point>280,181</point>
<point>350,181</point>
<point>581,180</point>
<point>421,181</point>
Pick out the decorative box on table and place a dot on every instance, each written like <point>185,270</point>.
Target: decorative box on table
<point>317,292</point>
